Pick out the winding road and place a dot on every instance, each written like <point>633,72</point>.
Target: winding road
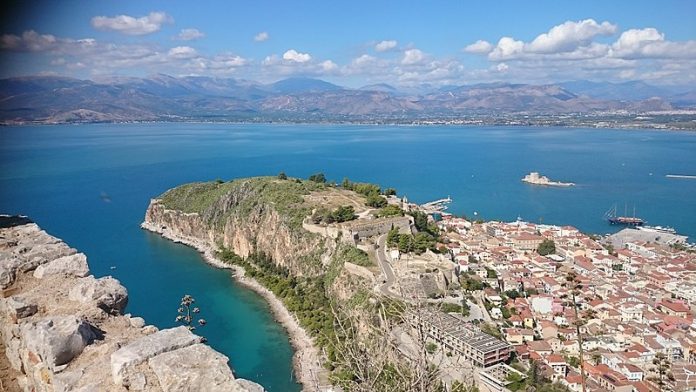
<point>389,276</point>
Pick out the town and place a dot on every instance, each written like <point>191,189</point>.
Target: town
<point>515,303</point>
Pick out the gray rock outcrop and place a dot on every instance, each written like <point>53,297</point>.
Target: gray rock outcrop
<point>62,330</point>
<point>57,340</point>
<point>73,265</point>
<point>107,293</point>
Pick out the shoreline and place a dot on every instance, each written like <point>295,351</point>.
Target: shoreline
<point>305,361</point>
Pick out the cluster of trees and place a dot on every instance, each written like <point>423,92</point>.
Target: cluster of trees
<point>546,247</point>
<point>535,380</point>
<point>304,297</point>
<point>372,192</point>
<point>318,178</point>
<point>407,243</point>
<point>390,210</point>
<point>340,214</point>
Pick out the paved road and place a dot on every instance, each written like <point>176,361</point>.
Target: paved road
<point>381,255</point>
<point>479,299</point>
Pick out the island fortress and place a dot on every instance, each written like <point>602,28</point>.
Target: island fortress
<point>535,178</point>
<point>62,329</point>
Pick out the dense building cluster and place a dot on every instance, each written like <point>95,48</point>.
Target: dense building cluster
<point>633,301</point>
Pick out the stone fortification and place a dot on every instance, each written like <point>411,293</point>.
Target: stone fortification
<point>63,329</point>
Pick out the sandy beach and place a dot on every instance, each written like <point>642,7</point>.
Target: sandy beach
<point>306,360</point>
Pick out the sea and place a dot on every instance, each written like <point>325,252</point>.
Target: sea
<point>90,185</point>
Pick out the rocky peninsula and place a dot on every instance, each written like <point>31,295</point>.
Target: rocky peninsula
<point>535,178</point>
<point>63,329</point>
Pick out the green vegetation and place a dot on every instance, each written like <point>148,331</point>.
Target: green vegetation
<point>339,215</point>
<point>318,178</point>
<point>431,348</point>
<point>282,176</point>
<point>534,380</point>
<point>390,192</point>
<point>407,243</point>
<point>491,274</point>
<point>492,330</point>
<point>462,309</point>
<point>468,283</point>
<point>375,201</point>
<point>215,202</point>
<point>304,297</point>
<point>389,211</point>
<point>354,255</point>
<point>512,294</point>
<point>546,247</point>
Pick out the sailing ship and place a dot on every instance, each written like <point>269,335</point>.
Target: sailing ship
<point>614,219</point>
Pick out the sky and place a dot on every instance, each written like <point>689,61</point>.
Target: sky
<point>355,43</point>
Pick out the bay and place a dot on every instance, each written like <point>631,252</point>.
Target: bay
<point>90,185</point>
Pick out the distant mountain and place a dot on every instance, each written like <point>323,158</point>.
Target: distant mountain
<point>302,85</point>
<point>163,97</point>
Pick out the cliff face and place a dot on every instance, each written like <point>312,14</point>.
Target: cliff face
<point>245,216</point>
<point>63,330</point>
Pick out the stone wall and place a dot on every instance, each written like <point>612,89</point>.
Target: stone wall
<point>365,229</point>
<point>63,329</point>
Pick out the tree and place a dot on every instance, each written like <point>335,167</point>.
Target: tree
<point>393,237</point>
<point>188,314</point>
<point>431,347</point>
<point>662,366</point>
<point>282,176</point>
<point>546,247</point>
<point>390,192</point>
<point>405,243</point>
<point>491,274</point>
<point>574,285</point>
<point>390,210</point>
<point>423,242</point>
<point>375,201</point>
<point>512,294</point>
<point>318,178</point>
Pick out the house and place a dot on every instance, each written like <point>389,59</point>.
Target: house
<point>558,364</point>
<point>674,308</point>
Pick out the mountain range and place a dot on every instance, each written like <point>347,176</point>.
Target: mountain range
<point>51,99</point>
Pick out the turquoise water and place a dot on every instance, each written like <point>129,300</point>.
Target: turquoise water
<point>91,184</point>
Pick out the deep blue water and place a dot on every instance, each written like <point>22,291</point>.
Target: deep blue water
<point>91,184</point>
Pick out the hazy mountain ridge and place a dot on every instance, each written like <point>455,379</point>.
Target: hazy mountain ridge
<point>163,97</point>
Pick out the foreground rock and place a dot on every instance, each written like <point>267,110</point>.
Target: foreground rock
<point>63,330</point>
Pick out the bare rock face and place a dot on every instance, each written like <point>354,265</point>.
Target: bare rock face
<point>126,358</point>
<point>73,265</point>
<point>194,368</point>
<point>62,330</point>
<point>58,339</point>
<point>107,292</point>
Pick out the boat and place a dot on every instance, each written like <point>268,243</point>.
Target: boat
<point>614,219</point>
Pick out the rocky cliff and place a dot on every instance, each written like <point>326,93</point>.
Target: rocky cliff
<point>246,216</point>
<point>63,329</point>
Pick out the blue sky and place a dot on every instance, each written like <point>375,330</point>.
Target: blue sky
<point>357,42</point>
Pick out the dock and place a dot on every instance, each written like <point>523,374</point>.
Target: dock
<point>436,206</point>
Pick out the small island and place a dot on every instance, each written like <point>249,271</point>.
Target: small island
<point>535,178</point>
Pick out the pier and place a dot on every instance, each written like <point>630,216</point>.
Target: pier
<point>436,206</point>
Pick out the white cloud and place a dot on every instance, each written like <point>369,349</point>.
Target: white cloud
<point>365,59</point>
<point>412,56</point>
<point>569,36</point>
<point>507,48</point>
<point>384,46</point>
<point>190,34</point>
<point>479,47</point>
<point>182,52</point>
<point>262,36</point>
<point>295,56</point>
<point>650,43</point>
<point>502,67</point>
<point>328,66</point>
<point>29,41</point>
<point>132,26</point>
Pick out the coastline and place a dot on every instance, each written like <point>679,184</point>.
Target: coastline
<point>305,361</point>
